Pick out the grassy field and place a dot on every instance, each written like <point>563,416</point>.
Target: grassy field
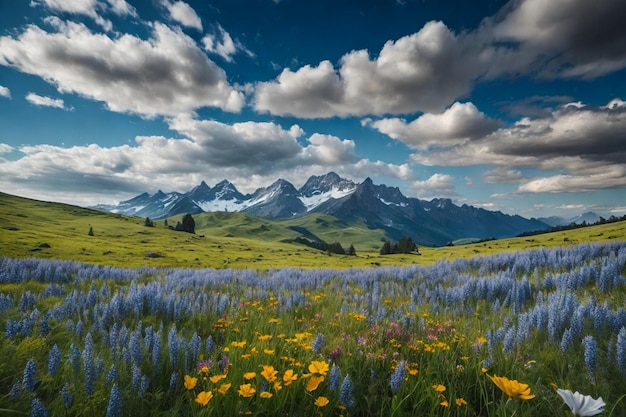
<point>227,240</point>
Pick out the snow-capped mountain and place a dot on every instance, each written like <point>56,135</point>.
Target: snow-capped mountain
<point>432,223</point>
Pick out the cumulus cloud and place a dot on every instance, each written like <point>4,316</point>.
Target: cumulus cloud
<point>585,142</point>
<point>421,72</point>
<point>87,8</point>
<point>430,69</point>
<point>458,124</point>
<point>438,185</point>
<point>5,92</point>
<point>166,74</point>
<point>44,101</point>
<point>250,154</point>
<point>580,38</point>
<point>5,148</point>
<point>222,44</point>
<point>183,13</point>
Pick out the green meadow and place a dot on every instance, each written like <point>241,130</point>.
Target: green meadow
<point>228,240</point>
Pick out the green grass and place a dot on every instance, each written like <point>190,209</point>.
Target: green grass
<point>227,240</point>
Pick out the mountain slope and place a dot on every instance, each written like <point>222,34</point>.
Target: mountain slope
<point>433,223</point>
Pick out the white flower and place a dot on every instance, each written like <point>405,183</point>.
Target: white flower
<point>581,405</point>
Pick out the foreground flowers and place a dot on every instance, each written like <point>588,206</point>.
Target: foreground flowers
<point>581,405</point>
<point>512,388</point>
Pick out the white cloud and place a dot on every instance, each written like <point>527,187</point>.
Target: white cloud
<point>458,124</point>
<point>249,154</point>
<point>503,175</point>
<point>425,71</point>
<point>5,92</point>
<point>43,101</point>
<point>585,143</point>
<point>437,186</point>
<point>184,14</point>
<point>164,75</point>
<point>430,69</point>
<point>222,44</point>
<point>5,148</point>
<point>122,8</point>
<point>81,7</point>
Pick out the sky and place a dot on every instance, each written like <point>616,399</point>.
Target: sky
<point>514,106</point>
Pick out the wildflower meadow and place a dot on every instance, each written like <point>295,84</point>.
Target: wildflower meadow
<point>529,333</point>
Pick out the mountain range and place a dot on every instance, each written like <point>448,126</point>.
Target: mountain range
<point>431,223</point>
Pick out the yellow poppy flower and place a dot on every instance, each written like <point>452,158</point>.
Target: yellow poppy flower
<point>246,390</point>
<point>512,388</point>
<point>321,401</point>
<point>265,395</point>
<point>314,382</point>
<point>238,344</point>
<point>190,382</point>
<point>460,402</point>
<point>439,387</point>
<point>223,388</point>
<point>217,378</point>
<point>269,373</point>
<point>204,397</point>
<point>289,377</point>
<point>318,367</point>
<point>249,375</point>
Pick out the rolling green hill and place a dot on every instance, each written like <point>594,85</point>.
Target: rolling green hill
<point>30,228</point>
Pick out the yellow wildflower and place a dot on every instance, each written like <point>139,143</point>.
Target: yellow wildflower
<point>268,351</point>
<point>238,344</point>
<point>321,401</point>
<point>318,367</point>
<point>249,375</point>
<point>223,388</point>
<point>265,337</point>
<point>512,388</point>
<point>460,402</point>
<point>314,382</point>
<point>246,390</point>
<point>277,386</point>
<point>204,397</point>
<point>190,382</point>
<point>217,378</point>
<point>269,373</point>
<point>289,377</point>
<point>265,395</point>
<point>439,387</point>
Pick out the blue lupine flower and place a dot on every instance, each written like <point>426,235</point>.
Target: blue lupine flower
<point>397,378</point>
<point>136,378</point>
<point>172,343</point>
<point>75,357</point>
<point>16,389</point>
<point>29,381</point>
<point>112,376</point>
<point>173,380</point>
<point>621,350</point>
<point>209,345</point>
<point>114,409</point>
<point>66,395</point>
<point>156,355</point>
<point>345,392</point>
<point>145,382</point>
<point>37,409</point>
<point>54,360</point>
<point>333,378</point>
<point>591,353</point>
<point>318,343</point>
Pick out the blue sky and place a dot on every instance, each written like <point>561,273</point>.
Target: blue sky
<point>513,106</point>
